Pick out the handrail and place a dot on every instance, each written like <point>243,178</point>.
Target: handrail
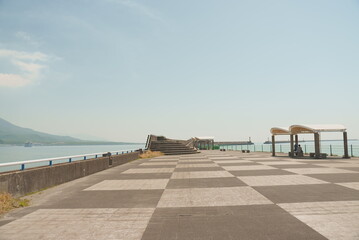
<point>50,160</point>
<point>148,141</point>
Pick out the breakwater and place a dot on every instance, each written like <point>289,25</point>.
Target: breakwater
<point>23,182</point>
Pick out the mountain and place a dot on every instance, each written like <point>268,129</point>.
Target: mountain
<point>12,134</point>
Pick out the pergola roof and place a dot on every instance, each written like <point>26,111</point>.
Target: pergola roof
<point>308,128</point>
<point>279,131</point>
<point>297,129</point>
<point>204,138</point>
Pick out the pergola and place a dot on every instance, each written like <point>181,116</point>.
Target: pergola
<point>294,130</point>
<point>204,142</point>
<point>277,131</point>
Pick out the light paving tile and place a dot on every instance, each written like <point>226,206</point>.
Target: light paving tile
<point>198,165</point>
<point>338,165</point>
<point>334,220</point>
<point>353,185</point>
<point>224,158</point>
<point>148,170</point>
<point>353,160</point>
<point>71,224</point>
<point>191,157</point>
<point>194,160</point>
<point>247,167</point>
<point>162,160</point>
<point>259,159</point>
<point>277,180</point>
<point>204,197</point>
<point>232,161</point>
<point>317,170</point>
<point>131,184</point>
<point>201,174</point>
<point>158,163</point>
<point>280,163</point>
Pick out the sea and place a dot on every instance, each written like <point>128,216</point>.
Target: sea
<point>10,153</point>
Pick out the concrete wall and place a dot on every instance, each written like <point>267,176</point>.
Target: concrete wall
<point>20,183</point>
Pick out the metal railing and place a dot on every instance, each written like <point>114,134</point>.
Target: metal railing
<point>68,158</point>
<point>330,149</point>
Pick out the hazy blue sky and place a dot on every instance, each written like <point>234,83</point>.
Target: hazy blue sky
<point>121,69</point>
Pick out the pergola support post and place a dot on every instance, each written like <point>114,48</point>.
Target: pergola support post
<point>317,145</point>
<point>296,139</point>
<point>345,139</point>
<point>291,146</point>
<point>273,145</point>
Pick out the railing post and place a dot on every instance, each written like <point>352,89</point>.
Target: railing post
<point>95,156</point>
<point>84,157</point>
<point>305,149</point>
<point>351,149</point>
<point>22,167</point>
<point>70,160</point>
<point>331,152</point>
<point>50,163</point>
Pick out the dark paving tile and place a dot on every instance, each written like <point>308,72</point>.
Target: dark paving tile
<point>351,168</point>
<point>197,169</point>
<point>337,177</point>
<point>318,161</point>
<point>111,199</point>
<point>196,162</point>
<point>141,176</point>
<point>226,159</point>
<point>205,183</point>
<point>308,193</point>
<point>236,222</point>
<point>237,164</point>
<point>163,160</point>
<point>155,166</point>
<point>260,172</point>
<point>284,166</point>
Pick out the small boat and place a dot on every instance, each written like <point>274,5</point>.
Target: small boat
<point>28,144</point>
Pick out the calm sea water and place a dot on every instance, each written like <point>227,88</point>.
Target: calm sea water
<point>20,153</point>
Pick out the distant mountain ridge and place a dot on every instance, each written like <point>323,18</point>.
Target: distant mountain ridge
<point>12,134</point>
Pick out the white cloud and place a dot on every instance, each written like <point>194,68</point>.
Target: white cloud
<point>35,56</point>
<point>29,68</point>
<point>13,80</point>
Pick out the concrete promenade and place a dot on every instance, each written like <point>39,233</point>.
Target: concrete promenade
<point>212,195</point>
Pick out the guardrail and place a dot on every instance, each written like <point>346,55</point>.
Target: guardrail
<point>69,158</point>
<point>330,149</point>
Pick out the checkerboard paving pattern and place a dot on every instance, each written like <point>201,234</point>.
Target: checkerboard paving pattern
<point>211,195</point>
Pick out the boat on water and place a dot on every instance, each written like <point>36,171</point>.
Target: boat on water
<point>28,144</point>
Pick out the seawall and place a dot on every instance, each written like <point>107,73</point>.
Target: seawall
<point>19,183</point>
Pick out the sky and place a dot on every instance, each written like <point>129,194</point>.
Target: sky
<point>119,70</point>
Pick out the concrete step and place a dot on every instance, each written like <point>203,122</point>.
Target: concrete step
<point>169,147</point>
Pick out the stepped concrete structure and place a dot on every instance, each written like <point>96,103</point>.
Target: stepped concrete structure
<point>170,146</point>
<point>210,195</point>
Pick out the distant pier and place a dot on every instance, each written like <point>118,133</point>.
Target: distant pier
<point>233,143</point>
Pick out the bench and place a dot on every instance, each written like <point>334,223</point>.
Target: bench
<point>321,155</point>
<point>295,154</point>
